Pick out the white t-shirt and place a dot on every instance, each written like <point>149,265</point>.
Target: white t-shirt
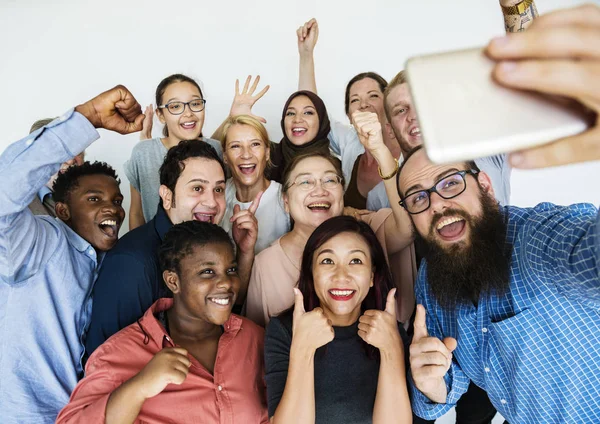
<point>273,220</point>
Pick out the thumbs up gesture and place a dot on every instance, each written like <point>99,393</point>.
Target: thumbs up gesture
<point>380,328</point>
<point>430,359</point>
<point>312,329</point>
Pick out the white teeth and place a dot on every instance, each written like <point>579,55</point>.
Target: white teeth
<point>341,292</point>
<point>220,301</point>
<point>448,221</point>
<point>298,129</point>
<point>247,166</point>
<point>109,222</point>
<point>415,131</point>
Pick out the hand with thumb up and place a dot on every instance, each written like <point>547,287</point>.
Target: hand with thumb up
<point>430,359</point>
<point>310,330</point>
<point>380,328</point>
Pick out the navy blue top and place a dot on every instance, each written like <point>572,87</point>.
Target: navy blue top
<point>129,282</point>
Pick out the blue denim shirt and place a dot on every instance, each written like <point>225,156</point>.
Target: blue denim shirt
<point>536,349</point>
<point>46,277</point>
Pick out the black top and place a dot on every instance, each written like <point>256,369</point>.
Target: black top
<point>352,196</point>
<point>345,377</point>
<point>129,282</point>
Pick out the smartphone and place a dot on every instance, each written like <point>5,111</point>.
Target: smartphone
<point>464,114</point>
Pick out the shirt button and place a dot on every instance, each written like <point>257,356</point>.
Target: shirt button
<point>484,330</point>
<point>91,250</point>
<point>28,142</point>
<point>220,388</point>
<point>487,369</point>
<point>503,401</point>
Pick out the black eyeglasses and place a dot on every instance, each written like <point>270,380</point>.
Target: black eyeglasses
<point>447,188</point>
<point>177,108</point>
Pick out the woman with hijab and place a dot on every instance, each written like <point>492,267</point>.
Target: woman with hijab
<point>305,127</point>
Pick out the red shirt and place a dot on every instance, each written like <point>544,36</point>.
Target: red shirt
<point>234,394</point>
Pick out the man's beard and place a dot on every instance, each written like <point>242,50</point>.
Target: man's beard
<point>459,274</point>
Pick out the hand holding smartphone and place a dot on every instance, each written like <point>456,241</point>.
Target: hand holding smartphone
<point>558,56</point>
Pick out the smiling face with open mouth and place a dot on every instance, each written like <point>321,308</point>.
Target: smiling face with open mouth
<point>301,121</point>
<point>447,222</point>
<point>246,154</point>
<point>404,120</point>
<point>310,208</point>
<point>207,283</point>
<point>199,193</point>
<point>95,211</point>
<point>188,125</point>
<point>342,275</point>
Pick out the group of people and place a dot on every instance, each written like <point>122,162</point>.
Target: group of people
<point>277,282</point>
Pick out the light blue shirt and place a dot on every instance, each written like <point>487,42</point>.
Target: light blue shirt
<point>536,349</point>
<point>497,168</point>
<point>43,192</point>
<point>46,277</point>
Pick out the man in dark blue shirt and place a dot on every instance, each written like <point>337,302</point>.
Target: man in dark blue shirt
<point>192,180</point>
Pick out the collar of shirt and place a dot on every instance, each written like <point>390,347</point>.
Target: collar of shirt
<point>44,191</point>
<point>80,243</point>
<point>162,223</point>
<point>156,333</point>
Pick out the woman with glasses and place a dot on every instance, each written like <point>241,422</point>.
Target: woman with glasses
<point>313,191</point>
<point>180,108</point>
<point>246,151</point>
<point>338,356</point>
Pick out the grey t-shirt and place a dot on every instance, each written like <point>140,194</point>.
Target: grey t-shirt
<point>345,377</point>
<point>142,171</point>
<point>496,167</point>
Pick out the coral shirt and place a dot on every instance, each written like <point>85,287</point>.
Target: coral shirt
<point>235,393</point>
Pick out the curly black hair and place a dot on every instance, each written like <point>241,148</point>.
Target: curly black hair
<point>173,165</point>
<point>67,181</point>
<point>182,238</point>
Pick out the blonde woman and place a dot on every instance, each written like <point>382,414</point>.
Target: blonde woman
<point>246,151</point>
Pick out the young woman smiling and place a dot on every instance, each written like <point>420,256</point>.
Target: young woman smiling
<point>164,367</point>
<point>180,107</point>
<point>338,354</point>
<point>246,150</point>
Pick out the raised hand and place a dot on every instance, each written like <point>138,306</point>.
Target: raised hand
<point>557,55</point>
<point>169,366</point>
<point>310,330</point>
<point>115,110</point>
<point>368,127</point>
<point>146,132</point>
<point>380,328</point>
<point>245,99</point>
<point>430,359</point>
<point>308,34</point>
<point>245,226</point>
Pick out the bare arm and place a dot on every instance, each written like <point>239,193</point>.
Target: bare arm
<point>308,35</point>
<point>136,214</point>
<point>297,404</point>
<point>520,15</point>
<point>391,401</point>
<point>125,403</point>
<point>398,231</point>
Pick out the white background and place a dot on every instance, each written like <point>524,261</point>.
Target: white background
<point>54,56</point>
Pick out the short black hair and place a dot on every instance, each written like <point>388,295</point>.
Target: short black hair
<point>68,180</point>
<point>470,164</point>
<point>181,239</point>
<point>173,165</point>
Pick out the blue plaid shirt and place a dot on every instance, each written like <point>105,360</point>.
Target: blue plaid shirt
<point>535,350</point>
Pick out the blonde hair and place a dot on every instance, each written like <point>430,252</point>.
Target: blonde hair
<point>251,122</point>
<point>399,79</point>
<point>40,123</point>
